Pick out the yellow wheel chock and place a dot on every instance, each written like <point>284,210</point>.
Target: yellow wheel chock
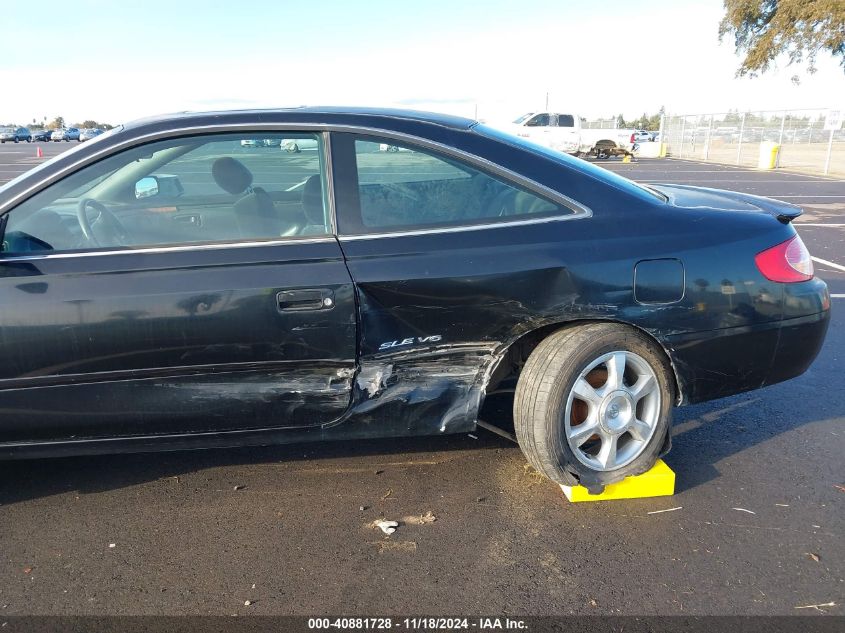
<point>657,482</point>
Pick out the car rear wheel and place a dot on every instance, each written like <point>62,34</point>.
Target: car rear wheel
<point>593,404</point>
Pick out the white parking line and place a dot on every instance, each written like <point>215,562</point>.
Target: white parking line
<point>827,263</point>
<point>750,170</point>
<point>837,296</point>
<point>797,224</point>
<point>744,181</point>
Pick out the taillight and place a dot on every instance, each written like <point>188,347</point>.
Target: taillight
<point>787,262</point>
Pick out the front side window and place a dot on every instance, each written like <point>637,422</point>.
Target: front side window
<point>541,120</point>
<point>199,189</point>
<point>403,187</point>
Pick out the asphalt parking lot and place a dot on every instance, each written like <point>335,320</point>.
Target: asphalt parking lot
<point>757,524</point>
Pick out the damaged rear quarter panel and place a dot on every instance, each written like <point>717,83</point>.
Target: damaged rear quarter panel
<point>484,289</point>
<point>476,292</point>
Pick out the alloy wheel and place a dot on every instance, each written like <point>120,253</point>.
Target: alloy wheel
<point>612,411</point>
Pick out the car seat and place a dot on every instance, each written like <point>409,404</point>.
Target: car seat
<point>254,211</point>
<point>312,204</point>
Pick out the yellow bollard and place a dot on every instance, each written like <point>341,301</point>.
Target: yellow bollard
<point>768,157</point>
<point>657,482</point>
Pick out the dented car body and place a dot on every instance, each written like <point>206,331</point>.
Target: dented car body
<point>373,325</point>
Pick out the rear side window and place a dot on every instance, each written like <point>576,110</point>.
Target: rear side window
<point>565,120</point>
<point>398,187</point>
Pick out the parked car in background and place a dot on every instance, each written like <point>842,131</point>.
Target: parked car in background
<point>261,142</point>
<point>239,298</point>
<point>642,136</point>
<point>65,134</point>
<point>88,134</point>
<point>41,135</point>
<point>15,135</point>
<point>252,142</point>
<point>387,147</point>
<point>296,145</point>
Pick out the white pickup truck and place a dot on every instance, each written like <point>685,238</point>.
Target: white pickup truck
<point>564,133</point>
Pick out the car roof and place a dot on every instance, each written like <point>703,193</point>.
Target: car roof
<point>389,117</point>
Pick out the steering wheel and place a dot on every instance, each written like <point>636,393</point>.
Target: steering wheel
<point>111,230</point>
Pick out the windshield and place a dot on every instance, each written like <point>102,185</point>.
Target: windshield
<point>524,118</point>
<point>576,163</point>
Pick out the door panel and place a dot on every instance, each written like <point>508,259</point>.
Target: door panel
<point>173,342</point>
<point>141,295</point>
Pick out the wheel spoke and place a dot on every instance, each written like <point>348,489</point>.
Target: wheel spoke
<point>607,454</point>
<point>645,385</point>
<point>581,433</point>
<point>584,391</point>
<point>639,430</point>
<point>616,370</point>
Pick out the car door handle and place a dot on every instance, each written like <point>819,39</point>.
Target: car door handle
<point>306,299</point>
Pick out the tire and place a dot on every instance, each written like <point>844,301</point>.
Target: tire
<point>548,407</point>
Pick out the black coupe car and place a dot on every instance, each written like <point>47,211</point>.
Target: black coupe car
<point>41,135</point>
<point>168,286</point>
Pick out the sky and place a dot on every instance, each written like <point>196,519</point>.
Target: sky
<point>117,60</point>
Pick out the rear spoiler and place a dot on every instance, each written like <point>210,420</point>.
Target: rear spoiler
<point>784,211</point>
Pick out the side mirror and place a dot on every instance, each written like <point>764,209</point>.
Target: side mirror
<point>146,188</point>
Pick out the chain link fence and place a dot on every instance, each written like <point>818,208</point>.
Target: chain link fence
<point>599,124</point>
<point>736,138</point>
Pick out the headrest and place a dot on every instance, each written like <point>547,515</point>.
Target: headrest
<point>231,175</point>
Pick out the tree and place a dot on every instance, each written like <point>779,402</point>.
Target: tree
<point>91,123</point>
<point>57,123</point>
<point>800,29</point>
